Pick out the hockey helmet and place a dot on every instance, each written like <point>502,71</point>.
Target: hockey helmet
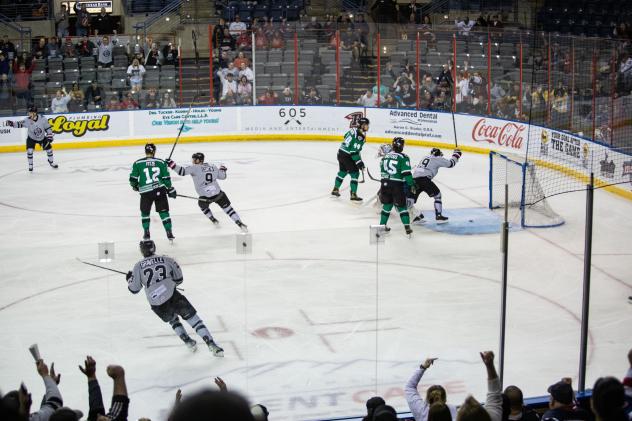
<point>150,149</point>
<point>33,109</point>
<point>436,152</point>
<point>362,121</point>
<point>398,144</point>
<point>147,247</point>
<point>198,156</point>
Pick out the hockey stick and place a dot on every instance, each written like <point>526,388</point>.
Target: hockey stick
<point>102,267</point>
<point>362,179</point>
<point>195,198</point>
<point>371,176</point>
<point>186,117</point>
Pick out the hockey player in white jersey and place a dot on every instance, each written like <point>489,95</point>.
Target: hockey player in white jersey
<point>423,174</point>
<point>38,132</point>
<point>160,275</point>
<point>205,178</point>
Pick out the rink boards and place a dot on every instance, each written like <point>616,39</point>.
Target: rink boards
<point>570,154</point>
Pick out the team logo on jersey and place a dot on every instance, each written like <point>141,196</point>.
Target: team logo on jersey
<point>78,128</point>
<point>353,118</point>
<point>38,132</point>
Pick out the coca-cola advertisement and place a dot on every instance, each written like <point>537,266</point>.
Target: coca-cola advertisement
<point>500,134</point>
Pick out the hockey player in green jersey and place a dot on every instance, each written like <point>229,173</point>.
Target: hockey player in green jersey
<point>349,159</point>
<point>395,172</point>
<point>150,177</point>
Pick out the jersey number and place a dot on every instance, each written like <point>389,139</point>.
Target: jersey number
<point>151,178</point>
<point>425,162</point>
<point>209,178</point>
<point>149,274</point>
<point>390,166</point>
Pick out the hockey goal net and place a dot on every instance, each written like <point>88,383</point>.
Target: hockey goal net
<point>526,203</point>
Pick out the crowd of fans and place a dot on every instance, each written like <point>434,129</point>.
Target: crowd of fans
<point>611,400</point>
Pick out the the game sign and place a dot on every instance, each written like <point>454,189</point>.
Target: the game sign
<point>501,133</point>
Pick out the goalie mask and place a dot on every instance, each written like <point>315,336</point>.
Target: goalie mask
<point>398,144</point>
<point>436,152</point>
<point>147,248</point>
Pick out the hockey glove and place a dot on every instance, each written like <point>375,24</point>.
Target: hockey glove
<point>457,153</point>
<point>413,189</point>
<point>222,168</point>
<point>135,187</point>
<point>170,163</point>
<point>360,165</point>
<point>9,123</point>
<point>47,142</point>
<point>128,276</point>
<point>172,193</point>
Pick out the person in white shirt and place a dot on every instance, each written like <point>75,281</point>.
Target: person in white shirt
<point>246,71</point>
<point>237,27</point>
<point>135,71</point>
<point>229,84</point>
<point>59,104</point>
<point>368,99</point>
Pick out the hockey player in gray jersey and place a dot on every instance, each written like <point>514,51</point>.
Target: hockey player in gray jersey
<point>38,132</point>
<point>205,178</point>
<point>423,174</point>
<point>160,275</point>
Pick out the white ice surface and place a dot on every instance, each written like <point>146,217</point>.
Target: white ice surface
<point>297,317</point>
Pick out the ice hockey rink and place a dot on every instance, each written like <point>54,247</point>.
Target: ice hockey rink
<point>316,320</point>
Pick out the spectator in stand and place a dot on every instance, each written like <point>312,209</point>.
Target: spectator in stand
<point>481,22</point>
<point>103,23</point>
<point>22,79</point>
<point>135,72</point>
<point>313,97</point>
<point>154,57</point>
<point>228,84</point>
<point>68,50</point>
<point>54,47</point>
<point>471,410</point>
<point>562,403</point>
<point>222,405</point>
<point>20,400</point>
<point>268,28</point>
<point>463,91</point>
<point>407,96</point>
<point>268,98</point>
<point>152,99</point>
<point>241,59</point>
<point>229,99</point>
<point>76,103</point>
<point>5,91</point>
<point>114,104</point>
<point>426,30</point>
<point>170,55</point>
<point>231,69</point>
<point>75,91</point>
<point>261,40</point>
<point>244,41</point>
<point>168,101</point>
<point>228,42</point>
<point>8,47</point>
<point>368,99</point>
<point>479,104</point>
<point>445,75</point>
<point>85,47</point>
<point>277,40</point>
<point>287,96</point>
<point>496,27</point>
<point>608,400</point>
<point>626,71</point>
<point>105,49</point>
<point>237,27</point>
<point>464,26</point>
<point>59,104</point>
<point>218,33</point>
<point>62,21</point>
<point>5,65</point>
<point>515,404</point>
<point>41,49</point>
<point>40,11</point>
<point>435,394</point>
<point>129,102</point>
<point>246,71</point>
<point>82,27</point>
<point>371,405</point>
<point>120,402</point>
<point>244,89</point>
<point>94,95</point>
<point>390,102</point>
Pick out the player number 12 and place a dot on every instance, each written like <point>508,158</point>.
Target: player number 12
<point>151,178</point>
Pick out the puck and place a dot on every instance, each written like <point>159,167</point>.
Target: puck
<point>471,220</point>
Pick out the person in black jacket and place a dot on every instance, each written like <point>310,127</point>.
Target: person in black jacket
<point>102,23</point>
<point>94,94</point>
<point>513,406</point>
<point>120,401</point>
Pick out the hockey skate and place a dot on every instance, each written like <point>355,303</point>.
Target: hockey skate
<point>355,198</point>
<point>215,349</point>
<point>146,235</point>
<point>419,219</point>
<point>213,220</point>
<point>441,219</point>
<point>52,164</point>
<point>409,231</point>
<point>241,225</point>
<point>191,344</point>
<point>170,236</point>
<point>335,192</point>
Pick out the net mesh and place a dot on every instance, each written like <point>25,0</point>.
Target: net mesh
<point>527,204</point>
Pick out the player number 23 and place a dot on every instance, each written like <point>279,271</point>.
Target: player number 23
<point>150,273</point>
<point>152,178</point>
<point>390,166</point>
